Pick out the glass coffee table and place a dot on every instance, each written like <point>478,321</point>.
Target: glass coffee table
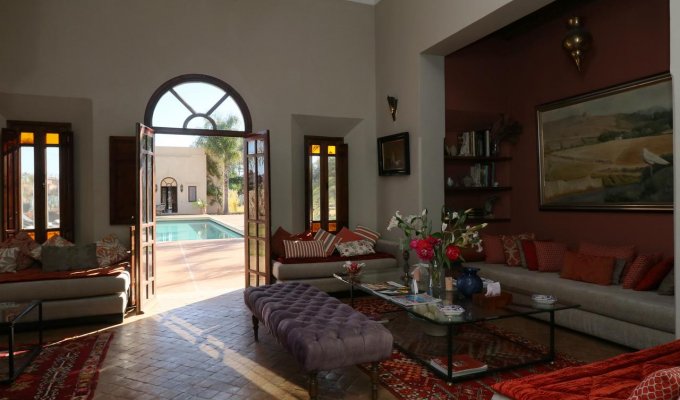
<point>18,357</point>
<point>454,336</point>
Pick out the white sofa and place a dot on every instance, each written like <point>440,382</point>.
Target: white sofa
<point>637,319</point>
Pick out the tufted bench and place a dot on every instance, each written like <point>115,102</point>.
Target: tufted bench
<point>321,332</point>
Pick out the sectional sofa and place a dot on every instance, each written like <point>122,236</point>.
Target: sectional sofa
<point>637,319</point>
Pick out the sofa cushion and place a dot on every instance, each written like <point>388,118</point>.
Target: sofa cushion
<point>55,258</point>
<point>511,248</point>
<point>626,252</point>
<point>663,384</point>
<point>367,234</point>
<point>667,286</point>
<point>328,239</point>
<point>355,248</point>
<point>29,249</point>
<point>587,268</point>
<point>346,235</point>
<point>493,246</point>
<point>57,241</point>
<point>276,246</point>
<point>8,259</point>
<point>550,255</point>
<point>303,248</point>
<point>529,250</point>
<point>655,275</point>
<point>638,269</point>
<point>110,251</point>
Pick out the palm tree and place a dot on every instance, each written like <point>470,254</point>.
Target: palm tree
<point>223,153</point>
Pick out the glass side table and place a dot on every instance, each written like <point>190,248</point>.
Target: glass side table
<point>10,315</point>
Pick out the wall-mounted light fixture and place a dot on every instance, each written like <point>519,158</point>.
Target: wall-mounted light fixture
<point>392,102</point>
<point>181,187</point>
<point>577,41</point>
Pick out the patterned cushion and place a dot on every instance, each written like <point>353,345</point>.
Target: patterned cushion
<point>29,249</point>
<point>550,255</point>
<point>494,249</point>
<point>638,269</point>
<point>57,240</point>
<point>626,252</point>
<point>8,259</point>
<point>328,239</point>
<point>655,275</point>
<point>110,251</point>
<point>663,384</point>
<point>367,234</point>
<point>511,247</point>
<point>355,248</point>
<point>303,248</point>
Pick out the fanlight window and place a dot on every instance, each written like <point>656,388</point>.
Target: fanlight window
<point>197,102</point>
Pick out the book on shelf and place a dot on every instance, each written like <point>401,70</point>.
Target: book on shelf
<point>461,364</point>
<point>414,299</point>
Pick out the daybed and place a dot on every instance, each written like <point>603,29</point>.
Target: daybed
<point>638,319</point>
<point>319,272</point>
<point>97,292</point>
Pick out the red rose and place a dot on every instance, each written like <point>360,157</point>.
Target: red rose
<point>425,253</point>
<point>452,252</point>
<point>414,244</point>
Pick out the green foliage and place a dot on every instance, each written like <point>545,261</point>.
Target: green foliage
<point>643,124</point>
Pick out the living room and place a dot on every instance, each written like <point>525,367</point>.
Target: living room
<point>310,67</point>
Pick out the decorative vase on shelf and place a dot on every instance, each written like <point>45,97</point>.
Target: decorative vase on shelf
<point>469,283</point>
<point>437,287</point>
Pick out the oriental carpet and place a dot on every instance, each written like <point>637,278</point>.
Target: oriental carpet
<point>65,370</point>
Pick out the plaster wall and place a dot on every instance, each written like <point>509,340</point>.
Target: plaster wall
<point>310,57</point>
<point>191,173</point>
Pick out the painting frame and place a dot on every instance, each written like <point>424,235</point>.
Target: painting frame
<point>394,157</point>
<point>608,150</point>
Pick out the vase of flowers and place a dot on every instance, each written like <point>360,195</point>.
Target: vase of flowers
<point>440,249</point>
<point>412,226</point>
<point>353,269</point>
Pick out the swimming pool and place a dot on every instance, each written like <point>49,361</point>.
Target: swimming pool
<point>172,231</point>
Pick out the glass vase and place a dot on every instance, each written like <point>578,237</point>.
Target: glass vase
<point>437,287</point>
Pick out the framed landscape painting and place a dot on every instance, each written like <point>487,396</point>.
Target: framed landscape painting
<point>394,157</point>
<point>611,149</point>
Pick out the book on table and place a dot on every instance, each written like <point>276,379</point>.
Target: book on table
<point>461,364</point>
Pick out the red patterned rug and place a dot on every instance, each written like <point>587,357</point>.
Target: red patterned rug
<point>407,379</point>
<point>66,370</point>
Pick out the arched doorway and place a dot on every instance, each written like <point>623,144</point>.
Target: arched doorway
<point>168,198</point>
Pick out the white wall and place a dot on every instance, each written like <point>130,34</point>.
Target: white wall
<point>308,57</point>
<point>187,166</point>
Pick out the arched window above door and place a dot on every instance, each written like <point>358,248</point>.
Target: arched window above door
<point>197,102</point>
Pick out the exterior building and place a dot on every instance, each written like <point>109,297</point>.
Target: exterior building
<point>180,179</point>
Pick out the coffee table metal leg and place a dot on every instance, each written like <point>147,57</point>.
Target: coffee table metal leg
<point>10,356</point>
<point>40,325</point>
<point>449,337</point>
<point>551,355</point>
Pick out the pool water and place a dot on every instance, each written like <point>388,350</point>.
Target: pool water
<point>172,231</point>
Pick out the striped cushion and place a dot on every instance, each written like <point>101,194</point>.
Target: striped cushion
<point>303,248</point>
<point>368,234</point>
<point>638,269</point>
<point>329,241</point>
<point>550,255</point>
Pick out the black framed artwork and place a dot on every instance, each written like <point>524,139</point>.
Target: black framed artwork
<point>394,157</point>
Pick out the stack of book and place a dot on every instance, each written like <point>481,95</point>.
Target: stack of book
<point>461,364</point>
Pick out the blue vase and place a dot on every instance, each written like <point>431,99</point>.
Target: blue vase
<point>469,283</point>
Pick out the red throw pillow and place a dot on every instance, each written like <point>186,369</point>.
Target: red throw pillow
<point>493,247</point>
<point>346,235</point>
<point>529,249</point>
<point>306,235</point>
<point>511,247</point>
<point>638,269</point>
<point>550,255</point>
<point>587,268</point>
<point>626,252</point>
<point>663,384</point>
<point>655,275</point>
<point>277,239</point>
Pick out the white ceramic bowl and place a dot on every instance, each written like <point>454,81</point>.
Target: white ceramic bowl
<point>543,298</point>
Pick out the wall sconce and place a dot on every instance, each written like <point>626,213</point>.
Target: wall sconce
<point>577,41</point>
<point>392,102</point>
<point>181,187</point>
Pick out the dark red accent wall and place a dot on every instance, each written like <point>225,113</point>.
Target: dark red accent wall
<point>519,68</point>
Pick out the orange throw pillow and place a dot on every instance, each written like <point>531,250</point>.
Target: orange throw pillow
<point>587,268</point>
<point>655,275</point>
<point>493,247</point>
<point>346,235</point>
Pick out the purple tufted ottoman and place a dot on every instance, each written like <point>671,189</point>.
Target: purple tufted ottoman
<point>321,332</point>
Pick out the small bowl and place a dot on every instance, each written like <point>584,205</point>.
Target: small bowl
<point>543,298</point>
<point>451,310</point>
